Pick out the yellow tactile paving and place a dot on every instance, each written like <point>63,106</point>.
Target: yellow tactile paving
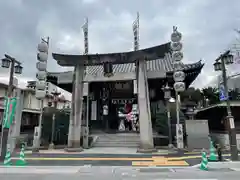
<point>160,161</point>
<point>151,161</point>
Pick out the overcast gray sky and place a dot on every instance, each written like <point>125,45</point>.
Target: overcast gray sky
<point>207,27</point>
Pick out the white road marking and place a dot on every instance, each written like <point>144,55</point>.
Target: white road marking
<point>38,170</point>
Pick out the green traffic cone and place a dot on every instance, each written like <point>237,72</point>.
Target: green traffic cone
<point>204,162</point>
<point>213,155</point>
<point>21,161</point>
<point>7,159</point>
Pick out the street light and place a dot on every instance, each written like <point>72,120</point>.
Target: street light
<point>7,62</point>
<point>167,97</point>
<point>225,59</point>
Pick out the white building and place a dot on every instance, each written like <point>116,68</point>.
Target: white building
<point>28,107</point>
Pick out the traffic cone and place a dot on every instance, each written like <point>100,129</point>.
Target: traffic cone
<point>7,160</point>
<point>213,155</point>
<point>21,161</point>
<point>204,162</point>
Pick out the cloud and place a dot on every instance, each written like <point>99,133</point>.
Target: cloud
<point>207,28</point>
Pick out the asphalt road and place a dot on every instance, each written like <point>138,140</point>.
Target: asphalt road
<point>109,173</point>
<point>111,159</point>
<point>102,160</point>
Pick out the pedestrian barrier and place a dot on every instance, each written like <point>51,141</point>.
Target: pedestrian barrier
<point>213,155</point>
<point>204,161</point>
<point>21,161</point>
<point>7,159</point>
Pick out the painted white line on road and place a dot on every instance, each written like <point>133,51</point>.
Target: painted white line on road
<point>195,166</point>
<point>236,169</point>
<point>38,170</point>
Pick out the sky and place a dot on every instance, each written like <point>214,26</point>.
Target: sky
<point>207,27</point>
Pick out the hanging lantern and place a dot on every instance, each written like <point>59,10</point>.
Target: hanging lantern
<point>167,92</point>
<point>42,47</point>
<point>6,62</point>
<point>228,59</point>
<point>108,69</point>
<point>217,66</point>
<point>18,69</point>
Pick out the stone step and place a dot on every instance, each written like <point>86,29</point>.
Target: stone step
<point>115,145</point>
<point>118,141</point>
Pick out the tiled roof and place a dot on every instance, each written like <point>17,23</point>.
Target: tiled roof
<point>163,65</point>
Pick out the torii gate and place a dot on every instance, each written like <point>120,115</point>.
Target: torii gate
<point>139,57</point>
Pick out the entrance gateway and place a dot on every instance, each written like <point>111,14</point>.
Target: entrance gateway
<point>114,78</point>
<point>152,72</point>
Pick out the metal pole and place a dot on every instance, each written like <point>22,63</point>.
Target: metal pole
<point>51,146</point>
<point>170,145</point>
<point>5,131</point>
<point>38,143</point>
<point>177,109</point>
<point>87,120</point>
<point>230,119</point>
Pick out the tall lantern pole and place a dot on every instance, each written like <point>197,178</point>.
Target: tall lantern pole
<point>178,76</point>
<point>86,128</point>
<point>40,91</point>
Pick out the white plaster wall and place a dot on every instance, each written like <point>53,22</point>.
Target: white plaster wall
<point>30,102</point>
<point>2,92</point>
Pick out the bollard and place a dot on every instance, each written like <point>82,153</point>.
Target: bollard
<point>219,152</point>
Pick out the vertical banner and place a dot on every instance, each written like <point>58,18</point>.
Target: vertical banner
<point>9,111</point>
<point>85,33</point>
<point>6,111</point>
<point>135,27</point>
<point>136,33</point>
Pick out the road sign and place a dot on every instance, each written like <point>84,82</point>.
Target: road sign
<point>222,93</point>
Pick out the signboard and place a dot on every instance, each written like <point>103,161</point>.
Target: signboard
<point>222,93</point>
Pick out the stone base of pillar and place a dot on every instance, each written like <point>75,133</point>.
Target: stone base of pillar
<point>35,150</point>
<point>147,150</point>
<point>75,147</point>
